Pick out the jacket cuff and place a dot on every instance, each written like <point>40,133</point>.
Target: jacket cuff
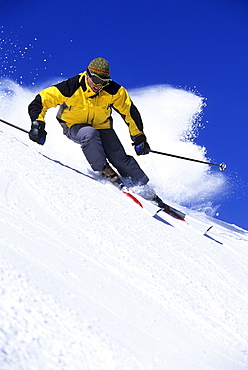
<point>139,139</point>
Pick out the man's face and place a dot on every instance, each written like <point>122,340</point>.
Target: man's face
<point>93,87</point>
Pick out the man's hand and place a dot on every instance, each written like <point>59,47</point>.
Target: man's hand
<point>141,145</point>
<point>37,132</point>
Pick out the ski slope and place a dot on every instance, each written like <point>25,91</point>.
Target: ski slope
<point>90,281</point>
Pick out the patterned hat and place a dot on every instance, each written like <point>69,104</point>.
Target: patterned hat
<point>100,67</point>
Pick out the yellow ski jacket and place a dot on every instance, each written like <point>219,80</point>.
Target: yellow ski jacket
<point>80,105</point>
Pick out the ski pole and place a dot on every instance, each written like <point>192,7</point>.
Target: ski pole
<point>222,166</point>
<point>10,124</point>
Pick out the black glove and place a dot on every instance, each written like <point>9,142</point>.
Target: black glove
<point>37,132</point>
<point>141,145</point>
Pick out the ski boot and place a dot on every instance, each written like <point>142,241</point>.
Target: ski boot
<point>108,173</point>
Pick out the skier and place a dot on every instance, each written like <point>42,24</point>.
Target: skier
<point>86,103</point>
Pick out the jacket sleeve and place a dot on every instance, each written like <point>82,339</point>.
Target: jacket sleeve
<point>123,104</point>
<point>51,97</point>
<point>46,99</point>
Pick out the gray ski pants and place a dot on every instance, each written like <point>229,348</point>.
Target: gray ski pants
<point>101,145</point>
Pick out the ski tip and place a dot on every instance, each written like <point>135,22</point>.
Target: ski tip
<point>210,227</point>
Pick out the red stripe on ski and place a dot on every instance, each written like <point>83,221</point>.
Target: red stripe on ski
<point>174,214</point>
<point>134,199</point>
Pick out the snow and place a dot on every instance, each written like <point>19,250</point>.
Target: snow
<point>90,281</point>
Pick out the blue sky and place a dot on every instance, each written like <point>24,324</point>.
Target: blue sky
<point>197,44</point>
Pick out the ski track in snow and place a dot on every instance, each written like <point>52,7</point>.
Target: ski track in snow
<point>89,281</point>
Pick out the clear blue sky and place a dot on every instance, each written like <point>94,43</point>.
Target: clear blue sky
<point>194,44</point>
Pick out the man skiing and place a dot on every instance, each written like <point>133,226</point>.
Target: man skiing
<point>86,103</point>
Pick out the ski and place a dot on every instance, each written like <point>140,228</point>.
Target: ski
<point>163,209</point>
<point>160,210</point>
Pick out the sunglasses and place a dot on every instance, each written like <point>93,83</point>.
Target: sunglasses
<point>97,80</point>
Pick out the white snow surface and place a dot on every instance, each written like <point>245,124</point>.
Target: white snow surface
<point>90,281</point>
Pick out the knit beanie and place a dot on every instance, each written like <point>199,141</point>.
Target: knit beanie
<point>100,67</point>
